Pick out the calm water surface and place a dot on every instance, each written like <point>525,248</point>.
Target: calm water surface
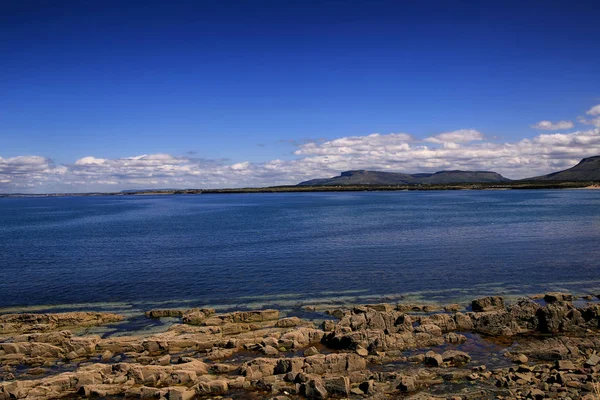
<point>277,249</point>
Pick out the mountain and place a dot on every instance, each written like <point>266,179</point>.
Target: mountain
<point>588,169</point>
<point>362,177</point>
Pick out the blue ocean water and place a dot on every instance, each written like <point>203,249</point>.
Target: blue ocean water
<point>279,248</point>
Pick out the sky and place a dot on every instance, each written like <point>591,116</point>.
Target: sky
<point>114,95</point>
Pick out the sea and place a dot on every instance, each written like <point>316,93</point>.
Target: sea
<point>293,250</point>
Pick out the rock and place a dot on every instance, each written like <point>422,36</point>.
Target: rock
<point>101,390</point>
<point>219,386</point>
<point>536,394</point>
<point>524,316</point>
<point>314,389</point>
<point>107,355</point>
<point>488,304</point>
<point>463,322</point>
<point>162,313</point>
<point>452,307</point>
<point>564,365</point>
<point>417,358</point>
<point>592,361</point>
<point>339,385</point>
<point>288,322</point>
<point>311,351</point>
<point>356,391</point>
<point>181,393</point>
<point>269,351</point>
<point>456,357</point>
<point>431,329</point>
<point>361,351</point>
<point>493,323</point>
<point>328,325</point>
<point>455,338</point>
<point>25,323</point>
<point>164,360</point>
<point>433,359</point>
<point>406,384</point>
<point>524,376</point>
<point>383,307</point>
<point>518,358</point>
<point>367,387</point>
<point>553,297</point>
<point>197,316</point>
<point>559,317</point>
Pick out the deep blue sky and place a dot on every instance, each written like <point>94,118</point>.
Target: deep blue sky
<point>231,79</point>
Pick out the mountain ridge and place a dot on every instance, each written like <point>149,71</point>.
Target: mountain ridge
<point>365,177</point>
<point>588,169</point>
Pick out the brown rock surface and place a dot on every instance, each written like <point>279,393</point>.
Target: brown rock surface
<point>362,353</point>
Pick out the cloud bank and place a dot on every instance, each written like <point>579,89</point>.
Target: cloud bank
<point>402,152</point>
<point>553,126</point>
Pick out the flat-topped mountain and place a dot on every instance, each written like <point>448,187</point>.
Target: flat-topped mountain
<point>362,177</point>
<point>588,169</point>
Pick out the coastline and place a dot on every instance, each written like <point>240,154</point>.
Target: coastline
<point>525,185</point>
<point>542,346</point>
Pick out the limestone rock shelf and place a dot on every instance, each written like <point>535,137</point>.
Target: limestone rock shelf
<point>531,349</point>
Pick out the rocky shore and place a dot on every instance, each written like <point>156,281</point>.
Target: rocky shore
<point>541,347</point>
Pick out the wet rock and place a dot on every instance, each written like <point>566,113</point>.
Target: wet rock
<point>463,322</point>
<point>197,316</point>
<point>455,338</point>
<point>163,313</point>
<point>382,307</point>
<point>553,297</point>
<point>25,323</point>
<point>452,307</point>
<point>456,357</point>
<point>490,303</point>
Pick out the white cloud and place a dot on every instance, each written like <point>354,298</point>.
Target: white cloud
<point>459,136</point>
<point>358,144</point>
<point>90,161</point>
<point>594,121</point>
<point>553,126</point>
<point>460,149</point>
<point>594,110</point>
